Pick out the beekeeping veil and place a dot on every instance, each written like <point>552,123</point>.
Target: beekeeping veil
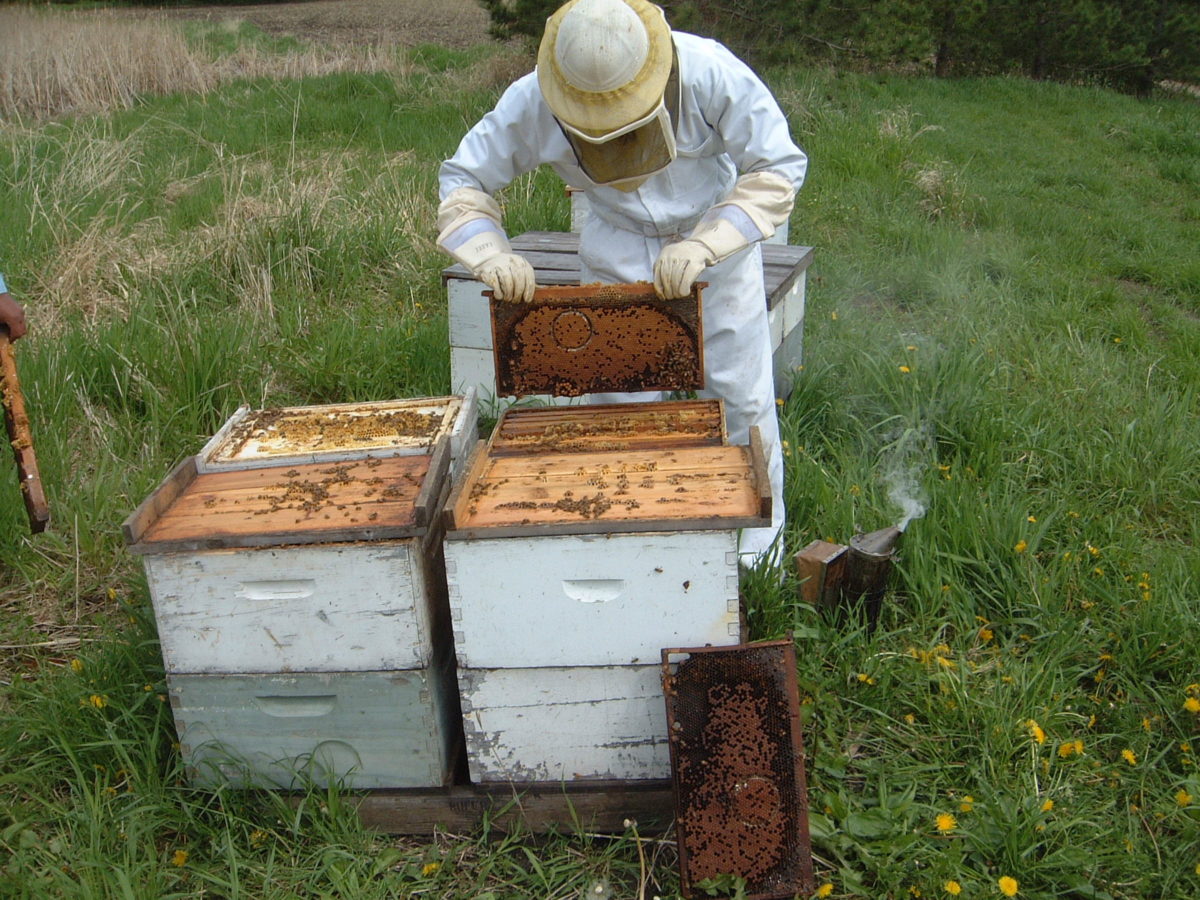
<point>606,69</point>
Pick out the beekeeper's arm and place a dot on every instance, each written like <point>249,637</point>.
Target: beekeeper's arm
<point>12,316</point>
<point>756,136</point>
<point>500,147</point>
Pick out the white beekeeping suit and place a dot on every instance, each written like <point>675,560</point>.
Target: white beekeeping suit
<point>687,163</point>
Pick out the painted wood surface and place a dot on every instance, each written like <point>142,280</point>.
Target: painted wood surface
<point>326,607</point>
<point>337,432</point>
<point>608,490</point>
<point>564,724</point>
<point>361,729</point>
<point>318,502</point>
<point>590,599</point>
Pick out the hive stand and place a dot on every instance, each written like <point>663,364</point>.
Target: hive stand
<point>555,259</point>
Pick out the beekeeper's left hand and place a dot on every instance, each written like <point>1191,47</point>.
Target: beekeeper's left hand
<point>679,266</point>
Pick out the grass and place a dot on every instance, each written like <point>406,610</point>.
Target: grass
<point>1003,328</point>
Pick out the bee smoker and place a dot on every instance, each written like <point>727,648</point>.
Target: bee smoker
<point>844,577</point>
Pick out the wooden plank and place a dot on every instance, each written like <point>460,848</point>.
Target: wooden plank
<point>301,504</point>
<point>457,502</point>
<point>158,502</point>
<point>16,423</point>
<point>758,460</point>
<point>431,485</point>
<point>600,807</point>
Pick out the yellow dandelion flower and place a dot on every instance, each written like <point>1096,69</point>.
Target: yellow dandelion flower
<point>1048,805</point>
<point>112,593</point>
<point>832,315</point>
<point>1192,704</point>
<point>1021,546</point>
<point>952,887</point>
<point>910,718</point>
<point>1035,731</point>
<point>1095,551</point>
<point>98,701</point>
<point>1008,886</point>
<point>914,890</point>
<point>946,822</point>
<point>905,369</point>
<point>865,678</point>
<point>77,665</point>
<point>779,401</point>
<point>986,634</point>
<point>825,890</point>
<point>180,858</point>
<point>968,804</point>
<point>1129,756</point>
<point>430,867</point>
<point>1183,798</point>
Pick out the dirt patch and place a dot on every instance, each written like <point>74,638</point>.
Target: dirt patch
<point>450,23</point>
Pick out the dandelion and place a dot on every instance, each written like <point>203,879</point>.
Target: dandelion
<point>1067,749</point>
<point>77,665</point>
<point>112,594</point>
<point>779,401</point>
<point>826,889</point>
<point>180,858</point>
<point>1048,805</point>
<point>1035,731</point>
<point>1183,798</point>
<point>910,718</point>
<point>257,837</point>
<point>430,868</point>
<point>1129,756</point>
<point>905,369</point>
<point>1192,704</point>
<point>986,634</point>
<point>968,803</point>
<point>1008,886</point>
<point>833,316</point>
<point>946,822</point>
<point>98,701</point>
<point>952,887</point>
<point>865,678</point>
<point>1021,546</point>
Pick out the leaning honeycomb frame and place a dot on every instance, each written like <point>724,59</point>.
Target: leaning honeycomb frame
<point>737,764</point>
<point>571,340</point>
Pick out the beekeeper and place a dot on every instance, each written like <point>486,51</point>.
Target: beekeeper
<point>687,163</point>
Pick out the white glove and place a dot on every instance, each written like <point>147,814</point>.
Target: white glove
<point>509,275</point>
<point>471,232</point>
<point>758,203</point>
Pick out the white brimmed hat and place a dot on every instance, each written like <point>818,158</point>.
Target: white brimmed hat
<point>604,64</point>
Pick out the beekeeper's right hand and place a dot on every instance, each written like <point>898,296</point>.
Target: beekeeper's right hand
<point>471,232</point>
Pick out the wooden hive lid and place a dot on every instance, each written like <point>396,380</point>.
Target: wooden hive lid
<point>685,488</point>
<point>355,500</point>
<point>609,426</point>
<point>306,434</point>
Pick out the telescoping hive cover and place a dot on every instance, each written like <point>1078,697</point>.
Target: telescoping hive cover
<point>737,762</point>
<point>571,340</point>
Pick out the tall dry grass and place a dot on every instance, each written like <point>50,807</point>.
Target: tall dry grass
<point>53,63</point>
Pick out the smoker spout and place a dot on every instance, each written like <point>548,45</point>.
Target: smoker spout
<point>877,543</point>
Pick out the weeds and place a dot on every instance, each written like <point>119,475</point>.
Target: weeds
<point>1001,345</point>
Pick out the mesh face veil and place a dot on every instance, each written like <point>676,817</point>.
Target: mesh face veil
<point>605,69</point>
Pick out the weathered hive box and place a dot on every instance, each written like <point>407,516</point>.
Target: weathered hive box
<point>285,436</point>
<point>555,259</point>
<point>301,611</point>
<point>579,543</point>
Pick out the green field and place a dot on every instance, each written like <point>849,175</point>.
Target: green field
<point>1003,325</point>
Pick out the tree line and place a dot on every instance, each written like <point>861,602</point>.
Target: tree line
<point>1131,45</point>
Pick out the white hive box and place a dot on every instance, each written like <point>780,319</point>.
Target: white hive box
<point>555,258</point>
<point>317,570</point>
<point>579,543</point>
<point>360,729</point>
<point>295,435</point>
